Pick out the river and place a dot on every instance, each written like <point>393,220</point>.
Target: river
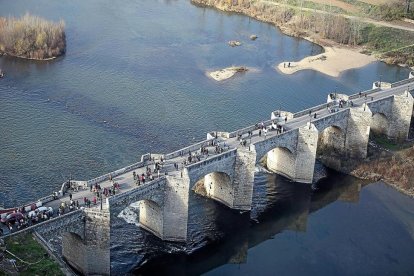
<point>133,81</point>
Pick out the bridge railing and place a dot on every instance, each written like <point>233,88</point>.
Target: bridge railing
<point>363,93</point>
<point>144,159</point>
<point>44,223</point>
<point>143,187</point>
<point>185,150</point>
<point>312,109</point>
<point>402,82</point>
<point>211,159</point>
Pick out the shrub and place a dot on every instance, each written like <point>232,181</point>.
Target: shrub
<point>32,37</point>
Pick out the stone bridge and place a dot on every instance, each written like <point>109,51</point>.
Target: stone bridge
<point>228,176</point>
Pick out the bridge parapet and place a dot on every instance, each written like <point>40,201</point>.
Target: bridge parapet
<point>408,81</point>
<point>153,190</point>
<point>338,119</point>
<point>185,150</point>
<point>287,139</point>
<point>70,222</point>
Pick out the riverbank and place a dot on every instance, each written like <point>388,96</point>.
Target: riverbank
<point>327,29</point>
<point>396,168</point>
<point>332,62</point>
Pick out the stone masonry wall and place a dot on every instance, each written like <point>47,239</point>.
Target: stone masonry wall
<point>281,161</point>
<point>90,256</point>
<point>176,208</point>
<point>331,141</point>
<point>153,191</point>
<point>402,109</point>
<point>287,140</point>
<point>243,180</point>
<point>306,154</point>
<point>219,186</point>
<point>379,124</point>
<point>151,217</point>
<point>357,135</point>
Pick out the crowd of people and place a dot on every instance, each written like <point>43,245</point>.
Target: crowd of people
<point>23,219</point>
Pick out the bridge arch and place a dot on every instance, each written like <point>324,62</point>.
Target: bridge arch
<point>331,141</point>
<point>379,124</point>
<point>280,160</point>
<point>217,185</point>
<point>151,217</point>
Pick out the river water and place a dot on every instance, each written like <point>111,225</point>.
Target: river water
<point>133,81</point>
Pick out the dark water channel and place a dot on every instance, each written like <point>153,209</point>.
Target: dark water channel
<point>133,81</point>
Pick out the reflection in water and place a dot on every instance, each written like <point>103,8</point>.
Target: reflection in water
<point>278,206</point>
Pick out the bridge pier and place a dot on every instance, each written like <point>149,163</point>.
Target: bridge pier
<point>243,179</point>
<point>400,119</point>
<point>357,133</point>
<point>176,208</point>
<point>91,255</point>
<point>306,154</point>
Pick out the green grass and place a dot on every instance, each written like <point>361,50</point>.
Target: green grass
<point>311,5</point>
<point>386,143</point>
<point>389,43</point>
<point>28,249</point>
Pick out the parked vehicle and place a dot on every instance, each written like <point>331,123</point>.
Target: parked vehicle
<point>12,218</point>
<point>48,210</point>
<point>27,208</point>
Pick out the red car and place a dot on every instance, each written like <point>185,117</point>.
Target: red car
<point>12,218</point>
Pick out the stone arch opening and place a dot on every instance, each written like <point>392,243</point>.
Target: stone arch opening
<point>331,142</point>
<point>280,160</point>
<point>151,217</point>
<point>216,185</point>
<point>379,124</point>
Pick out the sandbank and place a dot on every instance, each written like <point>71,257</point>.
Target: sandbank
<point>226,73</point>
<point>332,62</point>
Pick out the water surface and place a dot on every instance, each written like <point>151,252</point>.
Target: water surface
<point>133,81</point>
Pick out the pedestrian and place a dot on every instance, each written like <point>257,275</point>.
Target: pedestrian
<point>260,132</point>
<point>314,115</point>
<point>289,64</point>
<point>285,119</point>
<point>70,196</point>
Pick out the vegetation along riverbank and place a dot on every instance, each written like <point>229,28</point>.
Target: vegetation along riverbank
<point>23,255</point>
<point>348,23</point>
<point>392,163</point>
<point>32,37</point>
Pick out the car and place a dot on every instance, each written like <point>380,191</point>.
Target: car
<point>12,218</point>
<point>49,211</point>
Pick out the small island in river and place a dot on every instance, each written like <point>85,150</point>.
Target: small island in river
<point>32,37</point>
<point>227,73</point>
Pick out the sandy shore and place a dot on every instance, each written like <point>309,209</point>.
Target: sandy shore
<point>225,73</point>
<point>333,62</point>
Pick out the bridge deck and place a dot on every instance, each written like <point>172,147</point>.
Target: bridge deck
<point>126,179</point>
